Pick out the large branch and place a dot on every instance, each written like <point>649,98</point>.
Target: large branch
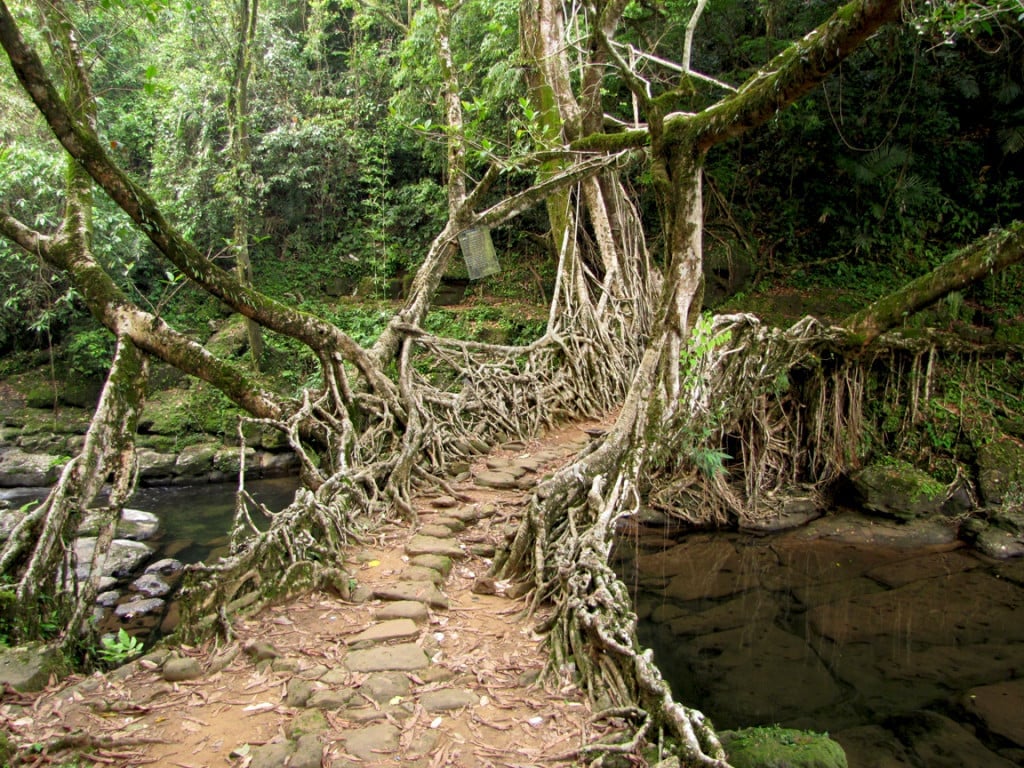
<point>147,332</point>
<point>81,143</point>
<point>787,77</point>
<point>984,257</point>
<point>791,74</point>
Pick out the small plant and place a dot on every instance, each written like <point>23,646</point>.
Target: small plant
<point>117,650</point>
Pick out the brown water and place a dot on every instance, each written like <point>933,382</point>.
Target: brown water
<point>831,637</point>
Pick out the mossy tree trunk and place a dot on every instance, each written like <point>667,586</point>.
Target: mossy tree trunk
<point>241,192</point>
<point>978,260</point>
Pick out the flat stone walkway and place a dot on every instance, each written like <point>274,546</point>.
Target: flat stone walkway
<point>429,663</point>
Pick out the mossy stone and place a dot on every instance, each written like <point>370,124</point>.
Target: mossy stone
<point>773,747</point>
<point>308,721</point>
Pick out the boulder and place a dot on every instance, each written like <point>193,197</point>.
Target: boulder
<point>150,585</point>
<point>135,524</point>
<point>29,667</point>
<point>20,469</point>
<point>136,608</point>
<point>1000,469</point>
<point>774,747</point>
<point>122,559</point>
<point>899,490</point>
<point>196,460</point>
<point>168,566</point>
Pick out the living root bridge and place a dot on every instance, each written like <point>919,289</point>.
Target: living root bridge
<point>791,405</point>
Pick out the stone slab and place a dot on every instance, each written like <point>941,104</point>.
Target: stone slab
<point>420,591</point>
<point>492,478</point>
<point>448,699</point>
<point>436,531</point>
<point>1001,707</point>
<point>439,563</point>
<point>395,629</point>
<point>372,743</point>
<point>402,609</point>
<point>428,545</point>
<point>421,573</point>
<point>405,657</point>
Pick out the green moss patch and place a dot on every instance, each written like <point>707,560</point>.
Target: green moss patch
<point>774,747</point>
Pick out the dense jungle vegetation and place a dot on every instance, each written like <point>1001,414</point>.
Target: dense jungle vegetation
<point>912,148</point>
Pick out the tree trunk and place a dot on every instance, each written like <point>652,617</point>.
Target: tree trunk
<point>238,126</point>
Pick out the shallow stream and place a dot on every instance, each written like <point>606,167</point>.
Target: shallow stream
<point>857,641</point>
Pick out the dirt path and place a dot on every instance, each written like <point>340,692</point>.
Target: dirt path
<point>396,679</point>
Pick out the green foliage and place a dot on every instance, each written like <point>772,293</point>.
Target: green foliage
<point>89,354</point>
<point>118,649</point>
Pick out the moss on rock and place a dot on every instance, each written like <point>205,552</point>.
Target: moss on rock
<point>774,747</point>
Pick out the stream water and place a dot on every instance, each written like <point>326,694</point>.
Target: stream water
<point>820,635</point>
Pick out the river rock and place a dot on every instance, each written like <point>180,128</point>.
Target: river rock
<point>495,479</point>
<point>9,519</point>
<point>864,531</point>
<point>402,609</point>
<point>926,566</point>
<point>448,699</point>
<point>273,755</point>
<point>753,606</point>
<point>108,599</point>
<point>421,573</point>
<point>435,531</point>
<point>155,466</point>
<point>137,524</point>
<point>150,585</point>
<point>961,608</point>
<point>899,490</point>
<point>308,753</point>
<point>228,461</point>
<point>167,566</point>
<point>330,699</point>
<point>1000,468</point>
<point>298,692</point>
<point>122,559</point>
<point>137,608</point>
<point>439,563</point>
<point>1000,534</point>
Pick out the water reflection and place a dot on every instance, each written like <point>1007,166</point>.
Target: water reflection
<point>195,520</point>
<point>823,635</point>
